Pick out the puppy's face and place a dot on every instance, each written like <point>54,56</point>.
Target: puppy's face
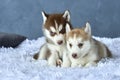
<point>78,42</point>
<point>54,27</point>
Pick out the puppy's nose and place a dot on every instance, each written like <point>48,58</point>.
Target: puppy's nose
<point>60,42</point>
<point>74,55</point>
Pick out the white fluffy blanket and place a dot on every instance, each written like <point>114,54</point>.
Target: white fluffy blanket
<point>16,64</point>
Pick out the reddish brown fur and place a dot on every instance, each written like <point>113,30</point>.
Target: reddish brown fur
<point>59,20</point>
<point>78,33</point>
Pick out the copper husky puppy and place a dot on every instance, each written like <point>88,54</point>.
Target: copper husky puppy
<point>54,26</point>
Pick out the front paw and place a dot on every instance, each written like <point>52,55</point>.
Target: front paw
<point>66,64</point>
<point>90,64</point>
<point>59,62</point>
<point>80,65</point>
<point>74,65</point>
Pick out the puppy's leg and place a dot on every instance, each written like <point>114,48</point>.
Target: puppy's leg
<point>43,52</point>
<point>80,65</point>
<point>59,62</point>
<point>52,59</point>
<point>93,63</point>
<point>66,61</point>
<point>74,65</point>
<point>77,64</point>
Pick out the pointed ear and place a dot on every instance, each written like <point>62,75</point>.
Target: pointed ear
<point>45,16</point>
<point>66,15</point>
<point>87,29</point>
<point>68,29</point>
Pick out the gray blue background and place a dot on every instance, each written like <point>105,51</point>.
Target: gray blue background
<point>24,16</point>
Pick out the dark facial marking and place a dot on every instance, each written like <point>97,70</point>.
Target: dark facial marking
<point>70,45</point>
<point>52,33</point>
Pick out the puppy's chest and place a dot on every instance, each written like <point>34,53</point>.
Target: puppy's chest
<point>61,51</point>
<point>81,61</point>
<point>58,49</point>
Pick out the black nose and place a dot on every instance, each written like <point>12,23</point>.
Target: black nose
<point>74,55</point>
<point>60,42</point>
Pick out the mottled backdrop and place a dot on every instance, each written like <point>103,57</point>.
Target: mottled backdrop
<point>24,16</point>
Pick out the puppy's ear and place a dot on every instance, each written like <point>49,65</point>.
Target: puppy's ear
<point>45,16</point>
<point>66,15</point>
<point>68,29</point>
<point>87,28</point>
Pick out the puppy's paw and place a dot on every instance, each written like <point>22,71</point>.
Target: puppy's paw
<point>59,62</point>
<point>90,64</point>
<point>80,65</point>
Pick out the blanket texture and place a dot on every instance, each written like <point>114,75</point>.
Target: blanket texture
<point>17,64</point>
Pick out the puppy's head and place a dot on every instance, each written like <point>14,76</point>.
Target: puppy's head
<point>54,26</point>
<point>78,41</point>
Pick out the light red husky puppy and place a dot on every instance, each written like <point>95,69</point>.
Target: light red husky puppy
<point>54,26</point>
<point>82,49</point>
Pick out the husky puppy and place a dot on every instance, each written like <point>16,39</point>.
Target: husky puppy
<point>54,26</point>
<point>82,49</point>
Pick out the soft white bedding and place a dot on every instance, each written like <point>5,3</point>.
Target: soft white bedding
<point>17,64</point>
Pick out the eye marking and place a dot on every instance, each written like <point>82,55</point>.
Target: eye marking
<point>60,27</point>
<point>80,45</point>
<point>52,29</point>
<point>62,31</point>
<point>70,45</point>
<point>52,33</point>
